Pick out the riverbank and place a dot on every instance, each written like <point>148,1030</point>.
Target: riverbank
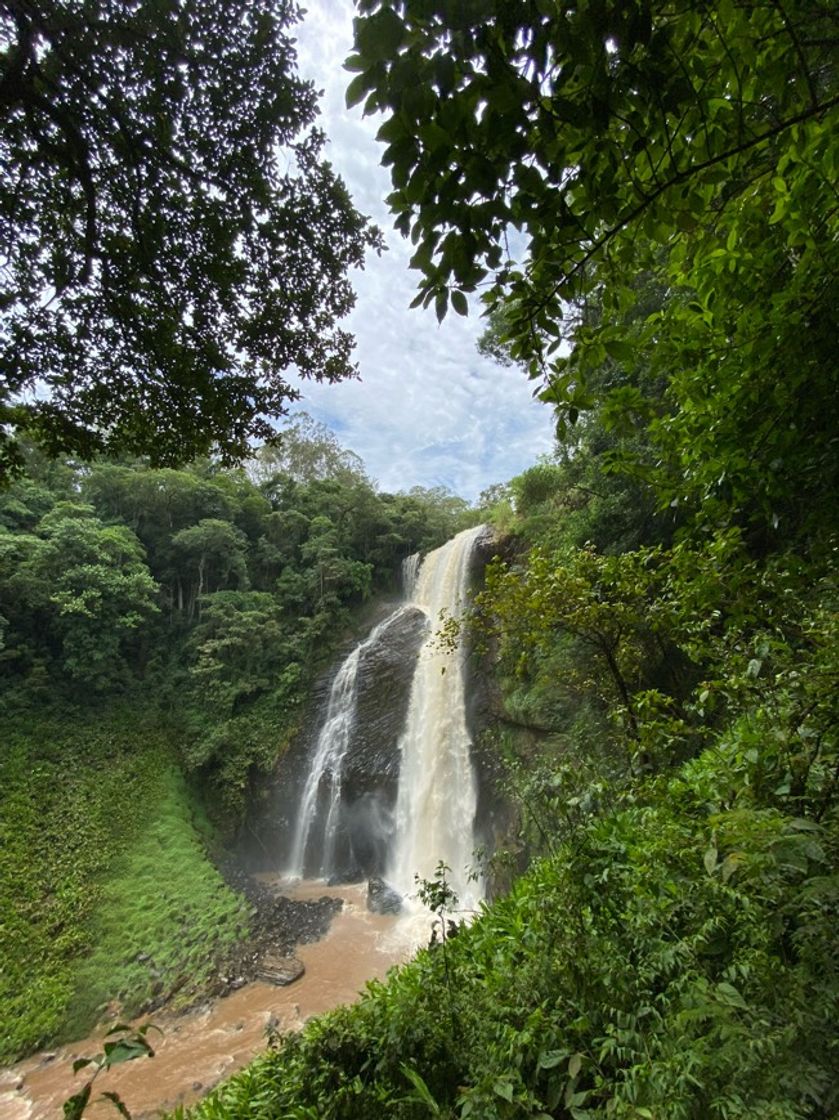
<point>200,1048</point>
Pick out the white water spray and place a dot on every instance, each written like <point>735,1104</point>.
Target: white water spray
<point>437,798</point>
<point>327,767</point>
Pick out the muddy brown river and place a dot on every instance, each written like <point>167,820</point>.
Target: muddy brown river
<point>202,1047</point>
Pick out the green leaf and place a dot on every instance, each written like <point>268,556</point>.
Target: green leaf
<point>422,1090</point>
<point>74,1106</point>
<point>620,351</point>
<point>441,304</point>
<point>377,37</point>
<point>126,1051</point>
<point>729,995</point>
<point>504,1089</point>
<point>548,1059</point>
<point>357,90</point>
<point>117,1101</point>
<point>459,302</point>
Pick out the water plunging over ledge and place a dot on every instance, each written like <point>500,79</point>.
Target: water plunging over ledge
<point>432,817</point>
<point>437,798</point>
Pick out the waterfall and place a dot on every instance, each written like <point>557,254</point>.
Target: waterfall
<point>437,795</point>
<point>327,765</point>
<point>410,572</point>
<point>323,783</point>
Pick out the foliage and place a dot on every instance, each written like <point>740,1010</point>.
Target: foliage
<point>165,920</point>
<point>94,821</point>
<point>82,586</point>
<point>131,1044</point>
<point>663,616</point>
<point>692,146</point>
<point>308,450</point>
<point>221,597</point>
<point>162,185</point>
<point>674,957</point>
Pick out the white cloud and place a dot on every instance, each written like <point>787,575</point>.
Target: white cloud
<point>428,409</point>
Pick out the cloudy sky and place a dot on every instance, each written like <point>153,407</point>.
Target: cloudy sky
<point>428,410</point>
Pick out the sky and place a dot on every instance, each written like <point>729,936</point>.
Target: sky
<point>428,410</point>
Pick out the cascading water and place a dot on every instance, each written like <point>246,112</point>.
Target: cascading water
<point>321,797</point>
<point>437,797</point>
<point>327,765</point>
<point>435,802</point>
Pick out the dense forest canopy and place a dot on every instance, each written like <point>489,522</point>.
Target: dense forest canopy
<point>175,247</point>
<point>223,593</point>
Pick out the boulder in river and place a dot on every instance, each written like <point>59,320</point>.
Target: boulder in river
<point>280,970</point>
<point>382,898</point>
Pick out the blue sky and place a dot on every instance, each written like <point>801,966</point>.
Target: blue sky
<point>428,410</point>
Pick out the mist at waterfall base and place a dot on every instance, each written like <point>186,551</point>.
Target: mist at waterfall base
<point>393,798</point>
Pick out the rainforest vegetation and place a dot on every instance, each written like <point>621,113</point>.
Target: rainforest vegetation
<point>646,197</point>
<point>161,630</point>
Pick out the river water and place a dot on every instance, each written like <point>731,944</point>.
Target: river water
<point>202,1047</point>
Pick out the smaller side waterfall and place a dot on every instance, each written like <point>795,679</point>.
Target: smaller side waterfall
<point>327,765</point>
<point>318,825</point>
<point>410,574</point>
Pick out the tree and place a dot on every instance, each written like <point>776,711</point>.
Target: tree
<point>241,649</point>
<point>79,591</point>
<point>173,240</point>
<point>211,554</point>
<point>306,450</point>
<point>691,144</point>
<point>577,126</point>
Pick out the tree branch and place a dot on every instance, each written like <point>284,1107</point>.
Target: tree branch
<point>681,177</point>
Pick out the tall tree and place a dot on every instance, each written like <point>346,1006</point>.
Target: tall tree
<point>172,239</point>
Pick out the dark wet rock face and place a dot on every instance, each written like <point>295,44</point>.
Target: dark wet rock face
<point>384,687</point>
<point>370,770</point>
<point>382,898</point>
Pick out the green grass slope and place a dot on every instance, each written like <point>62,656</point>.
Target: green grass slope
<point>103,868</point>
